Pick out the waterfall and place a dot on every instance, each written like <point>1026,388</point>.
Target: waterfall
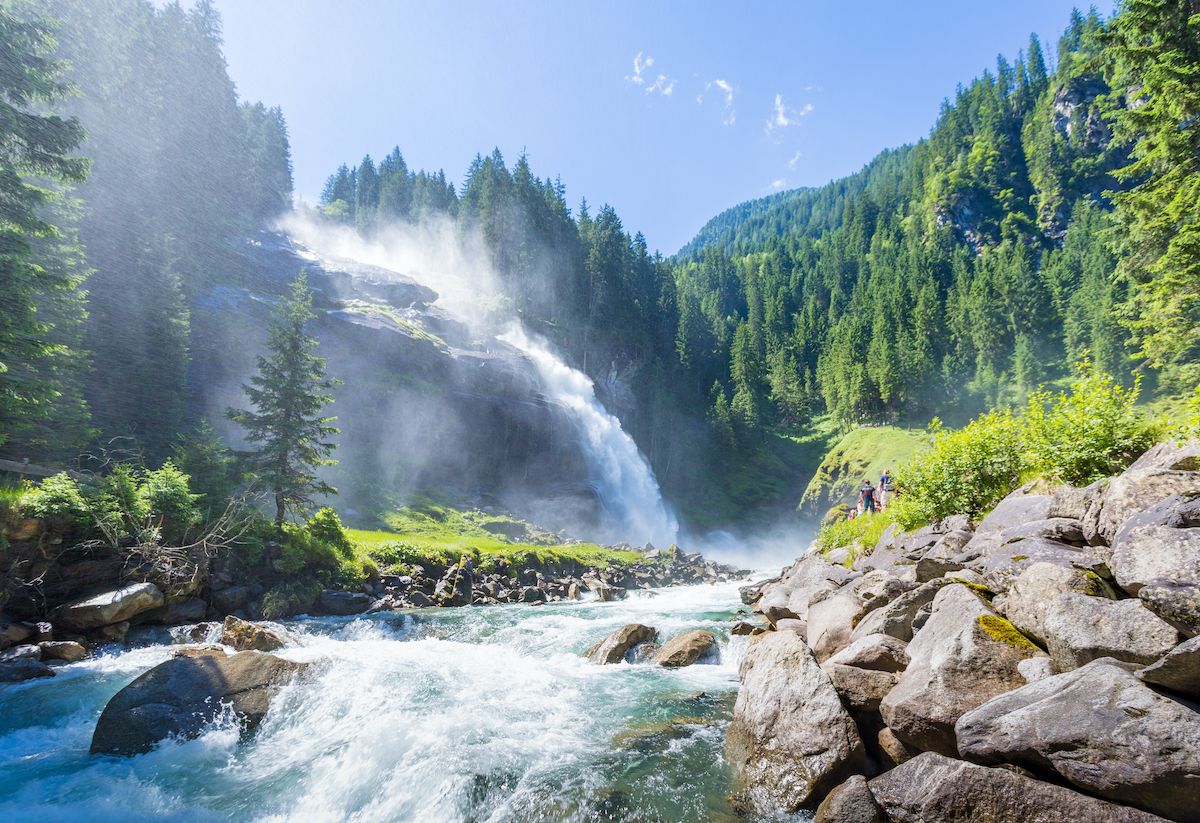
<point>633,503</point>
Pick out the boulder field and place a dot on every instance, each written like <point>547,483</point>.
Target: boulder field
<point>1042,665</point>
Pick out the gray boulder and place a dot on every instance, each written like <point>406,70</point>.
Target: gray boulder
<point>332,601</point>
<point>230,598</point>
<point>965,655</point>
<point>21,669</point>
<point>931,788</point>
<point>685,649</point>
<point>851,802</point>
<point>613,648</point>
<point>182,695</point>
<point>1036,588</point>
<point>878,652</point>
<point>68,651</point>
<point>1136,491</point>
<point>1099,728</point>
<point>1001,565</point>
<point>1156,556</point>
<point>174,612</point>
<point>798,584</point>
<point>109,607</point>
<point>1080,628</point>
<point>833,616</point>
<point>455,587</point>
<point>861,690</point>
<point>1059,529</point>
<point>1178,670</point>
<point>246,636</point>
<point>1016,510</point>
<point>790,741</point>
<point>896,618</point>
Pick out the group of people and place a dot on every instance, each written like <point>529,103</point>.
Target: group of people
<point>872,498</point>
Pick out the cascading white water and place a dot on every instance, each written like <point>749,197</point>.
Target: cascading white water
<point>633,502</point>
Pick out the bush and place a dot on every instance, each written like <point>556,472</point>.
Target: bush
<point>58,501</point>
<point>309,555</point>
<point>291,598</point>
<point>1092,432</point>
<point>167,497</point>
<point>860,534</point>
<point>118,504</point>
<point>325,526</point>
<point>966,471</point>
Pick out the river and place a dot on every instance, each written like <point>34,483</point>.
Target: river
<point>473,714</point>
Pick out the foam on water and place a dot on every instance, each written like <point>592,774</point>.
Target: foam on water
<point>477,714</point>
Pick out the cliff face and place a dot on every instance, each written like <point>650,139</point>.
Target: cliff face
<point>426,403</point>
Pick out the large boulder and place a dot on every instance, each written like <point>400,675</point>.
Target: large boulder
<point>182,695</point>
<point>613,648</point>
<point>1001,565</point>
<point>790,741</point>
<point>798,584</point>
<point>20,669</point>
<point>1021,507</point>
<point>230,598</point>
<point>1135,491</point>
<point>1156,556</point>
<point>861,690</point>
<point>877,652</point>
<point>932,788</point>
<point>332,601</point>
<point>1100,728</point>
<point>833,616</point>
<point>246,636</point>
<point>686,649</point>
<point>455,587</point>
<point>109,607</point>
<point>174,612</point>
<point>896,618</point>
<point>1080,628</point>
<point>1036,588</point>
<point>1178,670</point>
<point>67,651</point>
<point>965,655</point>
<point>851,802</point>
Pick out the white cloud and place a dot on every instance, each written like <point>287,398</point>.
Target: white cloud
<point>795,159</point>
<point>782,116</point>
<point>661,84</point>
<point>728,113</point>
<point>778,184</point>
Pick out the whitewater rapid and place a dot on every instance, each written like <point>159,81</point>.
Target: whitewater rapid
<point>634,508</point>
<point>473,714</point>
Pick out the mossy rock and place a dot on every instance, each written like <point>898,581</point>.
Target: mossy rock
<point>1002,631</point>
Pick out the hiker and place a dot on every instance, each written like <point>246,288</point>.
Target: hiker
<point>866,496</point>
<point>885,488</point>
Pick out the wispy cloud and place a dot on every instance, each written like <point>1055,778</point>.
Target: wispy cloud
<point>778,184</point>
<point>728,113</point>
<point>782,116</point>
<point>795,159</point>
<point>649,83</point>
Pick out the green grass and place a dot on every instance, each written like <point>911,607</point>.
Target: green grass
<point>441,535</point>
<point>858,536</point>
<point>862,452</point>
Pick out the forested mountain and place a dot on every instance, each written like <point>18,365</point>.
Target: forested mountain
<point>177,166</point>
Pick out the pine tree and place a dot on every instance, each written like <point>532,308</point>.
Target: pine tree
<point>288,395</point>
<point>33,144</point>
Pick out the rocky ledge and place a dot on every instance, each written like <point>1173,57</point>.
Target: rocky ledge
<point>1040,665</point>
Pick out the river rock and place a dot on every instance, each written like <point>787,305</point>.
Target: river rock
<point>1100,728</point>
<point>23,668</point>
<point>12,634</point>
<point>67,651</point>
<point>175,612</point>
<point>833,616</point>
<point>790,740</point>
<point>419,599</point>
<point>861,690</point>
<point>878,652</point>
<point>1158,550</point>
<point>965,655</point>
<point>932,788</point>
<point>1080,628</point>
<point>332,601</point>
<point>1014,511</point>
<point>893,748</point>
<point>1137,490</point>
<point>1002,565</point>
<point>1178,670</point>
<point>1036,588</point>
<point>180,696</point>
<point>851,802</point>
<point>618,644</point>
<point>686,649</point>
<point>206,650</point>
<point>246,636</point>
<point>230,598</point>
<point>26,651</point>
<point>796,586</point>
<point>109,607</point>
<point>455,587</point>
<point>896,618</point>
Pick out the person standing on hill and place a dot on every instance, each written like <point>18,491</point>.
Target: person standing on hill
<point>866,495</point>
<point>885,488</point>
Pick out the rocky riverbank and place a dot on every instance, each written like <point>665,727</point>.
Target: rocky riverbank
<point>32,648</point>
<point>1042,664</point>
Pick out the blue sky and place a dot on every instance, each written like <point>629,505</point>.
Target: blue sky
<point>670,111</point>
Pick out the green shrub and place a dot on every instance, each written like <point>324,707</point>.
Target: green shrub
<point>57,500</point>
<point>325,526</point>
<point>118,504</point>
<point>290,598</point>
<point>307,555</point>
<point>1092,432</point>
<point>167,496</point>
<point>863,531</point>
<point>966,471</point>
